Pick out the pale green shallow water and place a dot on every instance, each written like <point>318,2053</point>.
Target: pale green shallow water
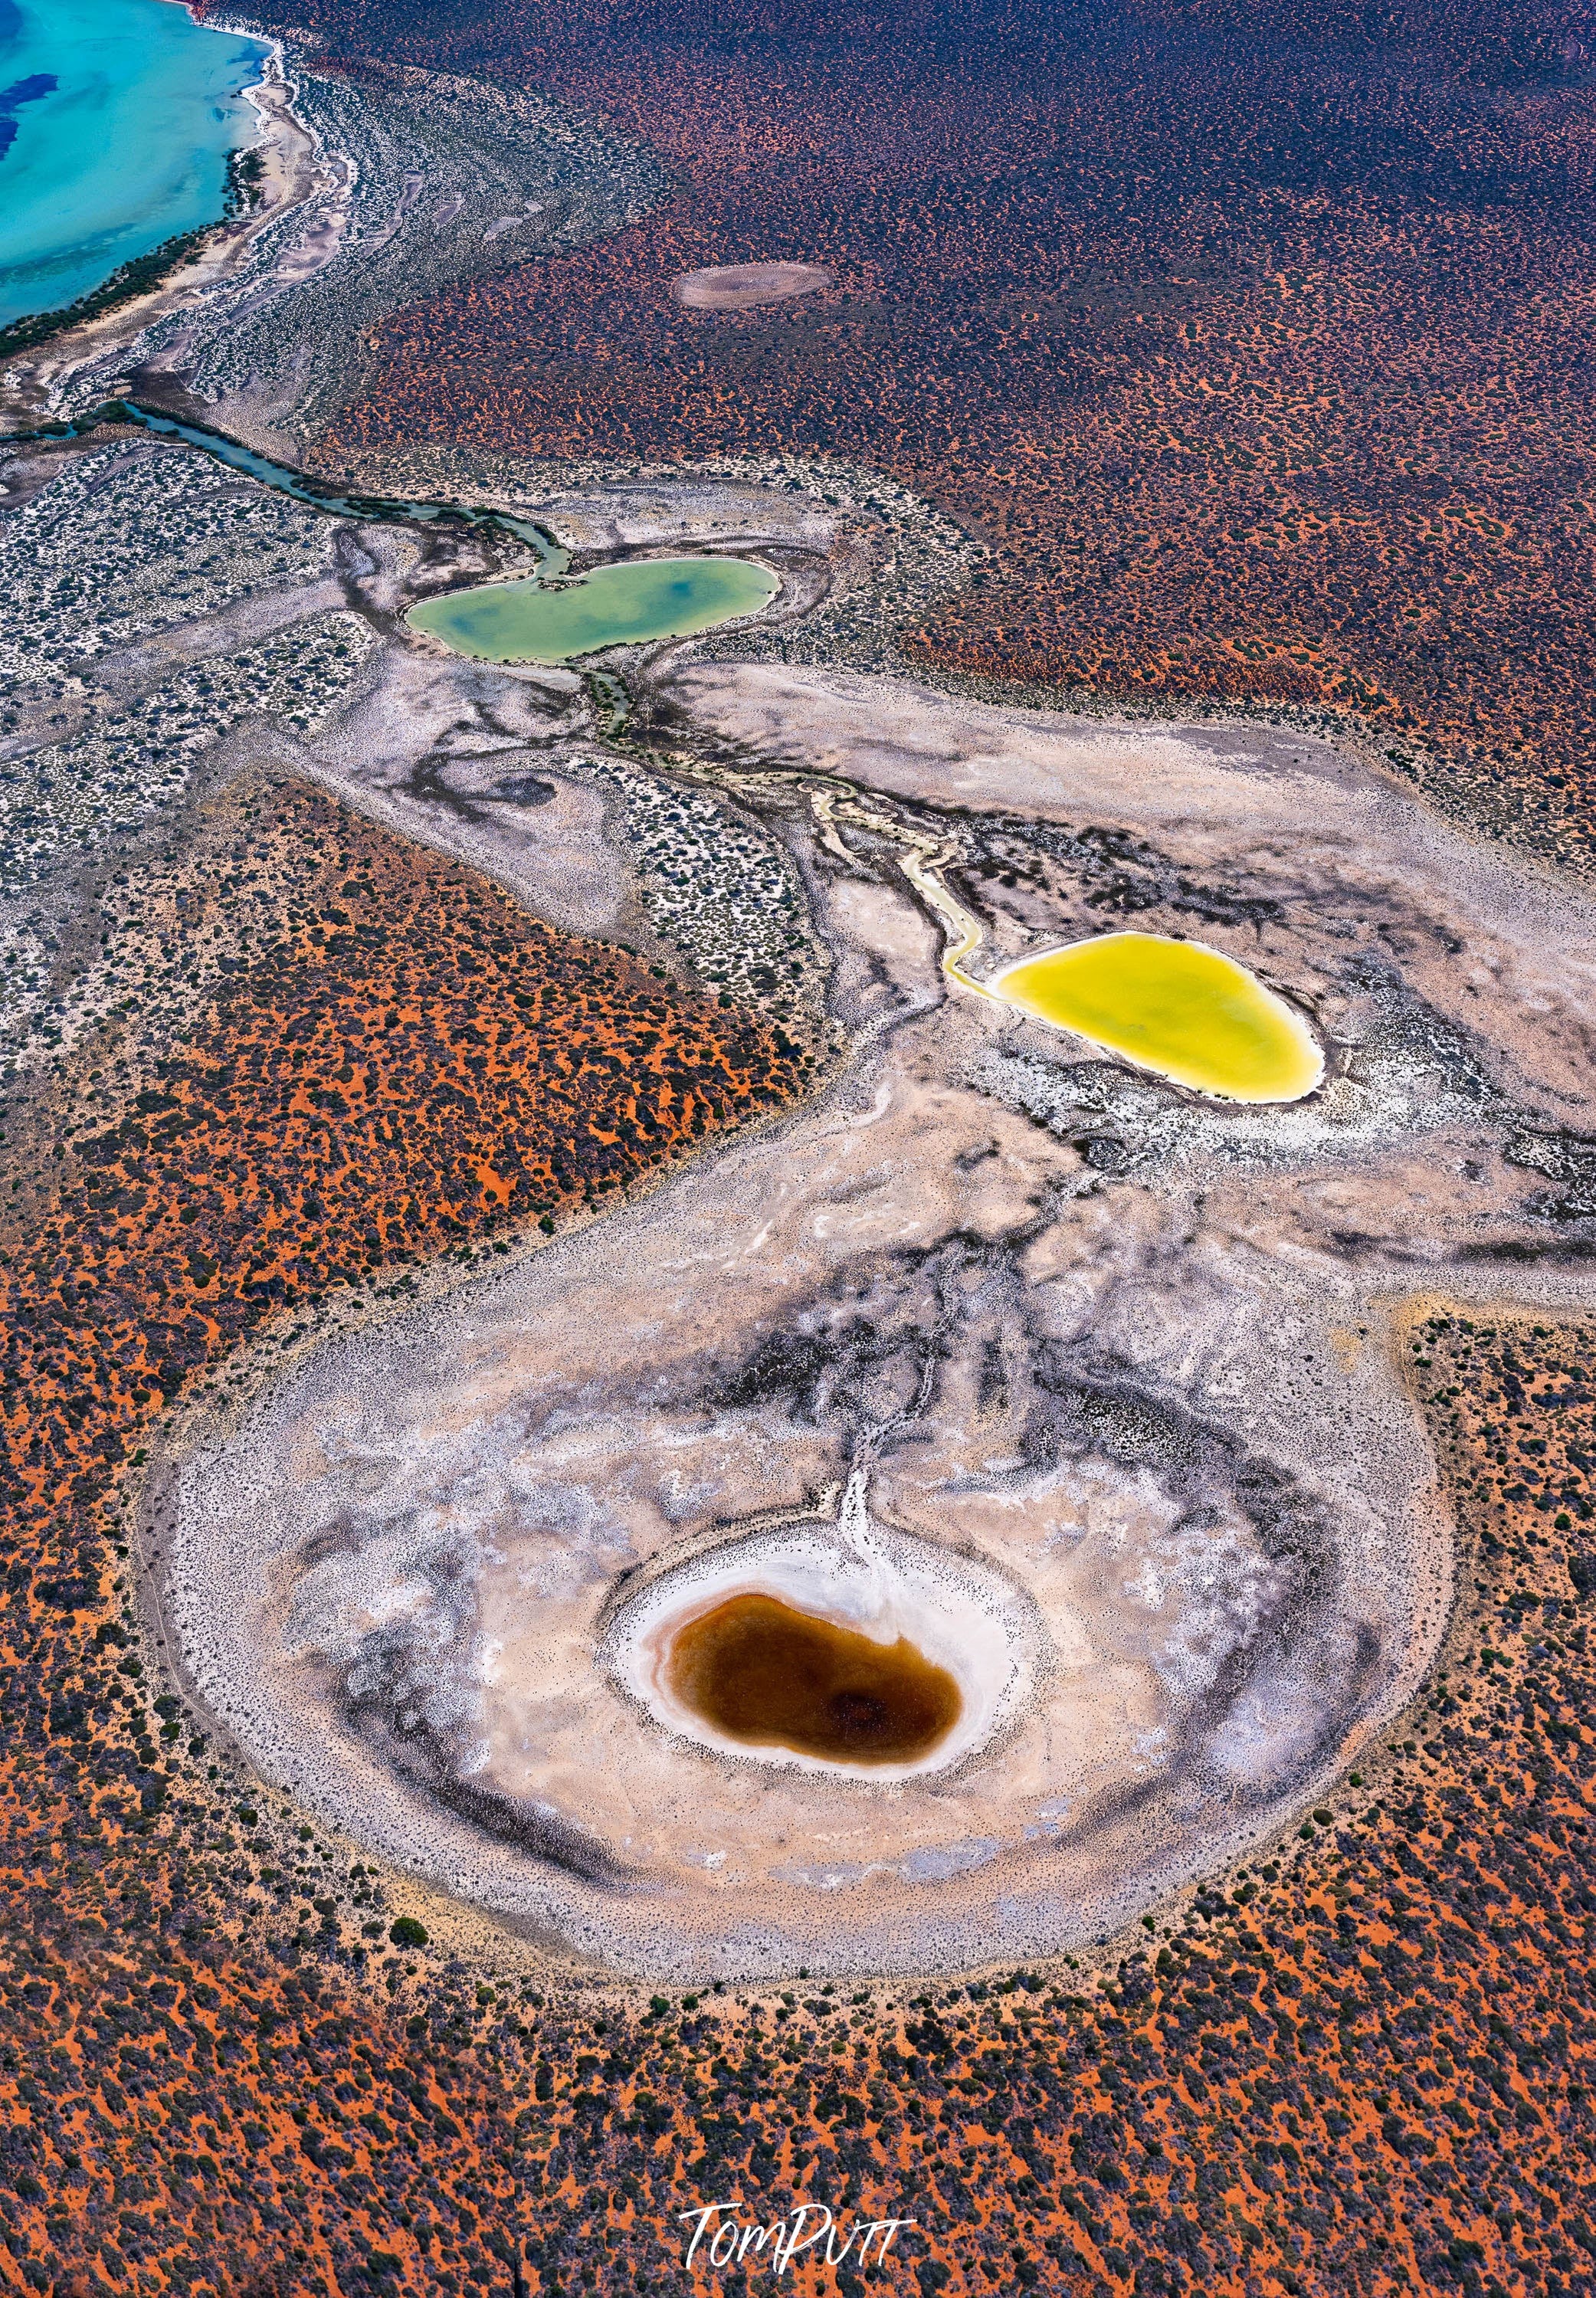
<point>614,605</point>
<point>128,148</point>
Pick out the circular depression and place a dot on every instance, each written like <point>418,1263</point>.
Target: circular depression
<point>433,1584</point>
<point>840,1649</point>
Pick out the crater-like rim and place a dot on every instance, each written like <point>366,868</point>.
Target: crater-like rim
<point>957,1609</point>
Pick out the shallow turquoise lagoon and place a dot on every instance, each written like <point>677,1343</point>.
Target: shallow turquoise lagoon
<point>627,605</point>
<point>116,120</point>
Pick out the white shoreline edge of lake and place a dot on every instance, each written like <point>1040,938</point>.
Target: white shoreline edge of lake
<point>35,384</point>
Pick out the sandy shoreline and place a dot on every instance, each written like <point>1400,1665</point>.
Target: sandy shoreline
<point>35,383</point>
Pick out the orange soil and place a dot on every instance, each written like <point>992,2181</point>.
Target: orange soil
<point>412,1061</point>
<point>1246,347</point>
<point>1364,2065</point>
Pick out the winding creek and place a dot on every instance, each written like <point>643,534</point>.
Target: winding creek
<point>630,603</point>
<point>390,510</point>
<point>1176,1008</point>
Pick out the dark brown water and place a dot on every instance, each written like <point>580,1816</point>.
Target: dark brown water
<point>762,1673</point>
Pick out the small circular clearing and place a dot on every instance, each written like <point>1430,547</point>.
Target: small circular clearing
<point>740,286</point>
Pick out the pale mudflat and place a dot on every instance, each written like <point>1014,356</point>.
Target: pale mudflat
<point>743,286</point>
<point>1117,1365</point>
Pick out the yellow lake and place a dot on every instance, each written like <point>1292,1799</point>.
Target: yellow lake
<point>1175,1007</point>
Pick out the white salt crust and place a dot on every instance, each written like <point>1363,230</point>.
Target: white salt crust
<point>425,1581</point>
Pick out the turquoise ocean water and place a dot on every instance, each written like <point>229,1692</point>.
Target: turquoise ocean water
<point>116,120</point>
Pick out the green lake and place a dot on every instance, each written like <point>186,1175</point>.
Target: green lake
<point>614,605</point>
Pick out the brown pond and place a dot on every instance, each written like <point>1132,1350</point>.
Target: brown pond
<point>764,1673</point>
